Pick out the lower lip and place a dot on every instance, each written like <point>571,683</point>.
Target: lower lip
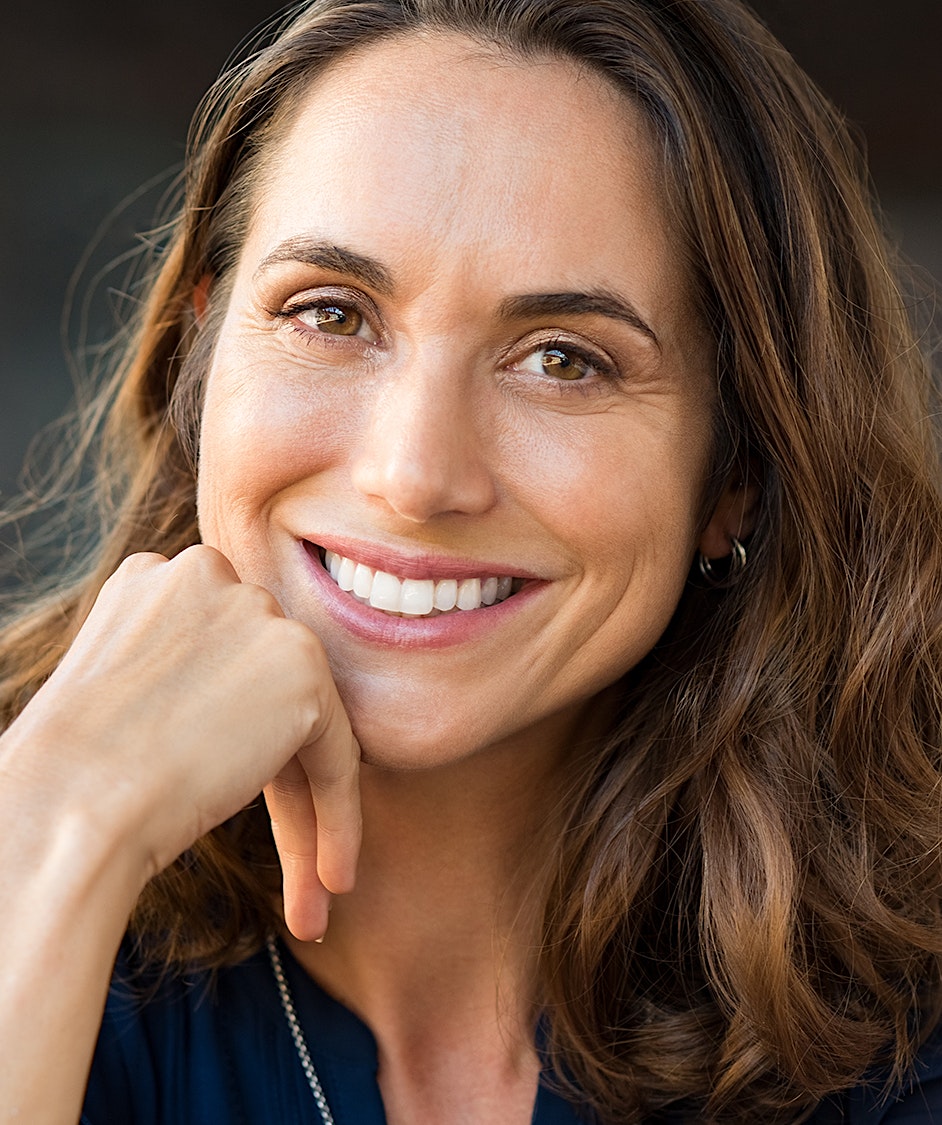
<point>380,628</point>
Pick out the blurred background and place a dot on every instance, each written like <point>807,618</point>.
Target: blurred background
<point>95,99</point>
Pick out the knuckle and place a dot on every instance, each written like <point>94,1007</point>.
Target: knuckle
<point>286,789</point>
<point>340,778</point>
<point>296,855</point>
<point>204,560</point>
<point>257,600</point>
<point>133,571</point>
<point>305,643</point>
<point>139,563</point>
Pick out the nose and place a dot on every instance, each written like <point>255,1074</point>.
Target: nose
<point>423,452</point>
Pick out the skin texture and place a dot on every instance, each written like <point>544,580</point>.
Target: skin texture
<point>436,435</point>
<point>118,764</point>
<point>435,431</point>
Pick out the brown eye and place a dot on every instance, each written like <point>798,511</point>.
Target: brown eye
<point>333,319</point>
<point>558,361</point>
<point>563,364</point>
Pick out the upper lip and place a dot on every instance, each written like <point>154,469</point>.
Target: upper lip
<point>417,564</point>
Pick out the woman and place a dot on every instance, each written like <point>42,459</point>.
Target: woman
<point>524,439</point>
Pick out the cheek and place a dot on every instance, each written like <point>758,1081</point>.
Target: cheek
<point>260,434</point>
<point>626,511</point>
<point>622,491</point>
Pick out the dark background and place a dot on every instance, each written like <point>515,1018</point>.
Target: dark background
<point>95,100</point>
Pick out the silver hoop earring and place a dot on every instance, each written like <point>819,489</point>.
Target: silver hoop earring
<point>737,564</point>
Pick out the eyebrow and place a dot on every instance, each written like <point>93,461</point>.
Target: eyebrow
<point>593,303</point>
<point>328,256</point>
<point>340,259</point>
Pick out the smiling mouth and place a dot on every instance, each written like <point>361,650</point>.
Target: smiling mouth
<point>416,597</point>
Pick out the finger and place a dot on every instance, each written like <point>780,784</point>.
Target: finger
<point>331,761</point>
<point>294,826</point>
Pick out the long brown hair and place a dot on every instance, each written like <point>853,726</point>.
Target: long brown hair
<point>744,909</point>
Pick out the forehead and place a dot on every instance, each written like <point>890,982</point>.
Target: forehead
<point>433,143</point>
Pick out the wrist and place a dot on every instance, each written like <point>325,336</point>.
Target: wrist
<point>62,834</point>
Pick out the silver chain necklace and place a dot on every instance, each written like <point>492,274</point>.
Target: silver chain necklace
<point>300,1043</point>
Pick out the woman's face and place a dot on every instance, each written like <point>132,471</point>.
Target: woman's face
<point>460,352</point>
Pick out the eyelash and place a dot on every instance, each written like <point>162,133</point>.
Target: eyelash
<point>591,358</point>
<point>311,336</point>
<point>604,377</point>
<point>606,371</point>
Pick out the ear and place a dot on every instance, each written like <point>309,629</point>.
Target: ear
<point>201,298</point>
<point>733,517</point>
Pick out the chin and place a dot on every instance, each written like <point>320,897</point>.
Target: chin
<point>401,724</point>
<point>407,747</point>
<point>388,760</point>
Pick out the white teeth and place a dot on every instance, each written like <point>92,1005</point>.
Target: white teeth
<point>386,592</point>
<point>446,594</point>
<point>418,595</point>
<point>363,580</point>
<point>469,593</point>
<point>345,574</point>
<point>414,597</point>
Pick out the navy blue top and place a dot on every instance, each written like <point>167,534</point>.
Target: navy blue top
<point>202,1052</point>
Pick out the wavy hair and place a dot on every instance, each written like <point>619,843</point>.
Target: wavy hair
<point>743,910</point>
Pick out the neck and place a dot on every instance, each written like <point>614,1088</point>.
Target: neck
<point>445,879</point>
<point>446,912</point>
<point>435,947</point>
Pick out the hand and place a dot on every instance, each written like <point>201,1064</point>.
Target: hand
<point>184,694</point>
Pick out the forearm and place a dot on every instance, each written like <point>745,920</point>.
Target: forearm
<point>66,889</point>
<point>184,694</point>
